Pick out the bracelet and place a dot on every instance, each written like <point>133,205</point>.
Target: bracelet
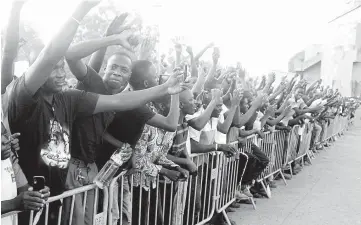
<point>76,20</point>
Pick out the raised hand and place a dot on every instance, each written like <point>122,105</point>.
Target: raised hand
<point>177,44</point>
<point>128,39</point>
<point>146,48</point>
<point>270,110</point>
<point>241,73</point>
<point>215,55</point>
<point>189,50</point>
<point>236,97</point>
<point>174,82</point>
<point>271,77</point>
<point>217,96</point>
<point>117,26</point>
<point>259,100</point>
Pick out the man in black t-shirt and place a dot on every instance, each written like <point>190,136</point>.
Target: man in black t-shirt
<point>44,114</point>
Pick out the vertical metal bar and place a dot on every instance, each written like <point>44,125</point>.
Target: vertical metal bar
<point>156,201</point>
<point>84,200</point>
<point>120,204</point>
<point>72,209</point>
<point>46,213</point>
<point>140,198</point>
<point>171,202</point>
<point>148,203</point>
<point>206,212</point>
<point>60,211</point>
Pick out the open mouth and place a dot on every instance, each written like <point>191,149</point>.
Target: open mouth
<point>60,83</point>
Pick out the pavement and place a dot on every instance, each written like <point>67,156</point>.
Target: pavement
<point>326,193</point>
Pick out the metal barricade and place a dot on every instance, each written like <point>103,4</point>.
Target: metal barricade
<point>161,201</point>
<point>67,216</point>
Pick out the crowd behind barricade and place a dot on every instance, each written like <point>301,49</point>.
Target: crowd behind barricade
<point>176,135</point>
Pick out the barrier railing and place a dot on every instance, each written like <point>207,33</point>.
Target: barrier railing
<point>140,199</point>
<point>61,209</point>
<point>229,177</point>
<point>187,202</point>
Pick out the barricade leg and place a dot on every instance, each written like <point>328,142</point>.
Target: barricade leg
<point>266,189</point>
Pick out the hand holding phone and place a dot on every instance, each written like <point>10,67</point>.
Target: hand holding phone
<point>38,183</point>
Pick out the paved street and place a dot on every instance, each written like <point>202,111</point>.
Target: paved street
<point>326,193</point>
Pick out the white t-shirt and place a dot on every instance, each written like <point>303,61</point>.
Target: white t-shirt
<point>257,122</point>
<point>220,137</point>
<point>8,189</point>
<point>205,136</point>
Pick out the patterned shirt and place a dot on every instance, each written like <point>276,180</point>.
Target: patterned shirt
<point>150,155</point>
<point>180,139</point>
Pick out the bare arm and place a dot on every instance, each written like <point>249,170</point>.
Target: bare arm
<point>112,140</point>
<point>224,127</point>
<point>199,122</point>
<point>198,86</point>
<point>115,27</point>
<point>41,69</point>
<point>276,121</point>
<point>10,43</point>
<point>129,100</point>
<point>199,148</point>
<point>170,122</point>
<point>246,133</point>
<point>201,53</point>
<point>77,52</point>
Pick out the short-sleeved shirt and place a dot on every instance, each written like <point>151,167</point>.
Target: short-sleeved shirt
<point>46,130</point>
<point>88,131</point>
<point>207,135</point>
<point>221,138</point>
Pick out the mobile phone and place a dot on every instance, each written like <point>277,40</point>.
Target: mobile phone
<point>38,183</point>
<point>185,72</point>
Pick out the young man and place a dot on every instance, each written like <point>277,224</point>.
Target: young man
<point>127,126</point>
<point>44,115</point>
<point>150,158</point>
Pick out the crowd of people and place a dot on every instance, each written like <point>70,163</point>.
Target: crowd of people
<point>157,114</point>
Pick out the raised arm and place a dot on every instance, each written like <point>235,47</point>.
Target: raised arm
<point>201,53</point>
<point>77,52</point>
<point>170,122</point>
<point>199,85</point>
<point>194,69</point>
<point>10,44</point>
<point>199,122</point>
<point>213,69</point>
<point>235,101</point>
<point>116,27</point>
<point>255,105</point>
<point>41,69</point>
<point>130,100</point>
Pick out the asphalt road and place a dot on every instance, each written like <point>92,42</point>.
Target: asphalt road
<point>325,193</point>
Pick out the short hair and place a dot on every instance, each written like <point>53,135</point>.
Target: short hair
<point>123,53</point>
<point>139,73</point>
